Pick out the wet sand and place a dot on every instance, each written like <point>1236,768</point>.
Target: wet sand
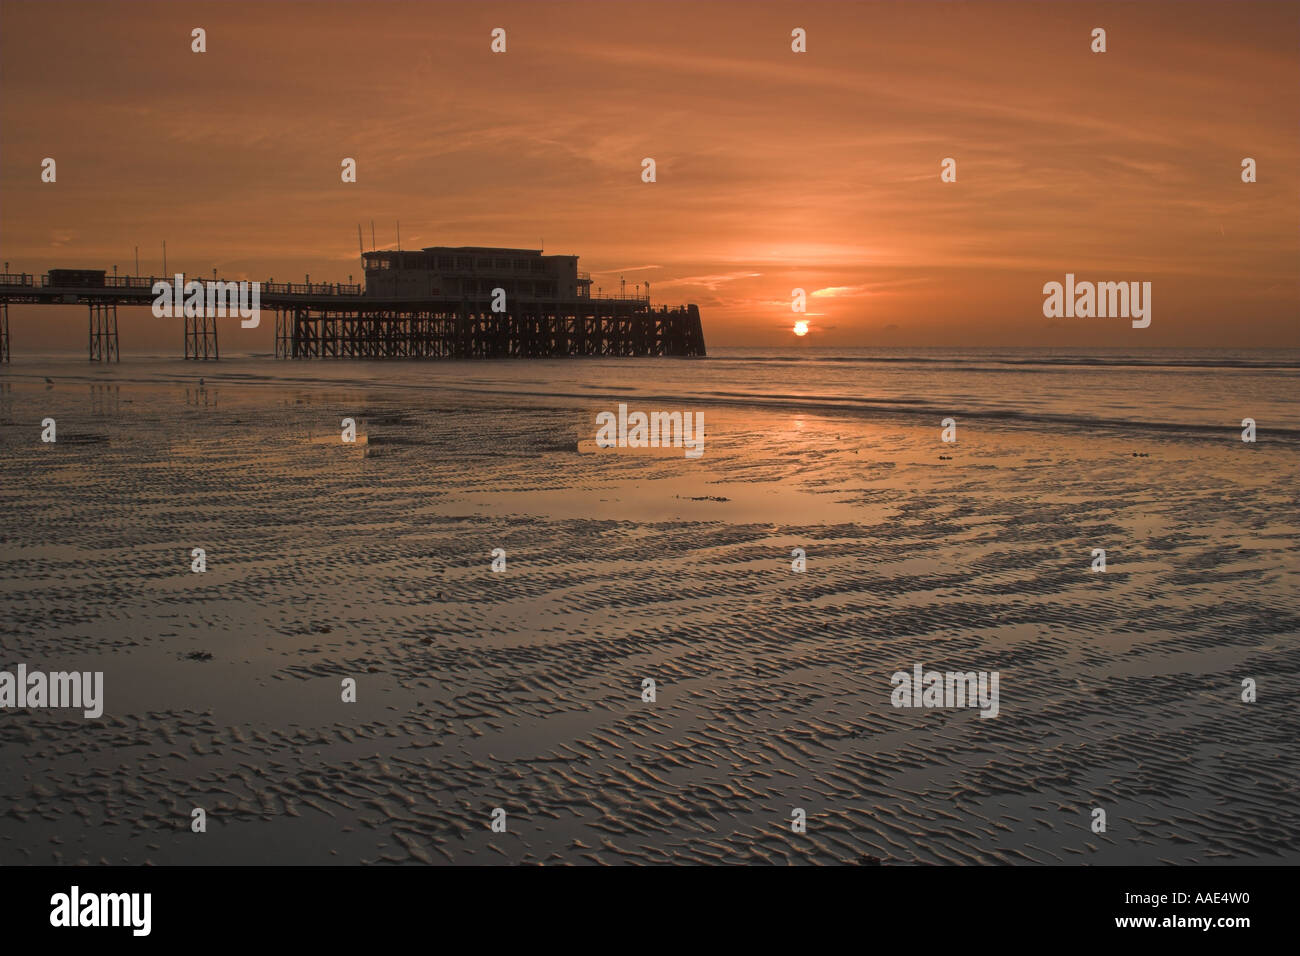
<point>522,690</point>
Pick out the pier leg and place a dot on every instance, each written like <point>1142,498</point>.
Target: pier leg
<point>103,332</point>
<point>305,341</point>
<point>281,334</point>
<point>4,333</point>
<point>201,338</point>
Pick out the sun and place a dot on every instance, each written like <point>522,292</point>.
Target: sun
<point>801,327</point>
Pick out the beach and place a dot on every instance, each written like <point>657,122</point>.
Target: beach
<point>523,689</point>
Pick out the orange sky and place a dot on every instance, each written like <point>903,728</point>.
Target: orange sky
<point>775,170</point>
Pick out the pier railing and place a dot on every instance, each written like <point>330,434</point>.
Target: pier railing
<point>26,280</point>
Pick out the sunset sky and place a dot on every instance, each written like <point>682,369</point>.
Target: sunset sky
<point>776,170</point>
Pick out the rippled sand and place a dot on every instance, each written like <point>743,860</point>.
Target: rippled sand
<point>522,690</point>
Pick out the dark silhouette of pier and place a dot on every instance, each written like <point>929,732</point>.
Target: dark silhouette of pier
<point>462,328</point>
<point>337,320</point>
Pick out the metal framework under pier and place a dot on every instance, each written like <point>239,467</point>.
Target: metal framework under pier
<point>470,330</point>
<point>201,337</point>
<point>4,333</point>
<point>103,332</point>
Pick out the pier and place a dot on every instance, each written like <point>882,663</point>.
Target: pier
<point>341,321</point>
<point>470,329</point>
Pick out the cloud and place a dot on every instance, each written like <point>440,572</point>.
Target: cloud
<point>840,291</point>
<point>605,272</point>
<point>711,282</point>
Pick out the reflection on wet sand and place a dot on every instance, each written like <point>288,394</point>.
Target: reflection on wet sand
<point>522,690</point>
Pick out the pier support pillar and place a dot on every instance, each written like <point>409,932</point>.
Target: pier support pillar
<point>201,338</point>
<point>103,332</point>
<point>4,333</point>
<point>282,333</point>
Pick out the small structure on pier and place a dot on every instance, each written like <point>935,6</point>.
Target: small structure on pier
<point>474,271</point>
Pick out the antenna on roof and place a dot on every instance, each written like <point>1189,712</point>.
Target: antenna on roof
<point>360,248</point>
